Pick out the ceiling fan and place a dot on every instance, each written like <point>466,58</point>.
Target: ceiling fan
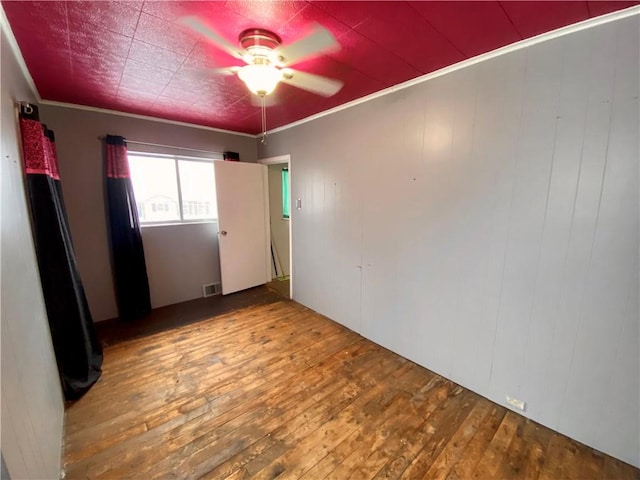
<point>267,60</point>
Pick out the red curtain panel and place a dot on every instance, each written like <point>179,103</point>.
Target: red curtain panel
<point>77,349</point>
<point>127,252</point>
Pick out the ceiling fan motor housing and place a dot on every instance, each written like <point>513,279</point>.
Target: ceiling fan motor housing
<point>258,41</point>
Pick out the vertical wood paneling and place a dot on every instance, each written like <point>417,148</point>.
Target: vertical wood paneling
<point>610,283</point>
<point>498,228</point>
<point>302,231</point>
<point>505,149</point>
<point>438,206</point>
<point>620,199</point>
<point>540,369</point>
<point>385,174</point>
<point>534,154</point>
<point>32,404</point>
<point>344,218</point>
<point>482,175</point>
<point>583,227</point>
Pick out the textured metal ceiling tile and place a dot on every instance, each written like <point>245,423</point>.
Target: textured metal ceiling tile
<point>138,57</point>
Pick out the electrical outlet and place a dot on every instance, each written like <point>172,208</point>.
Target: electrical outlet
<point>514,402</point>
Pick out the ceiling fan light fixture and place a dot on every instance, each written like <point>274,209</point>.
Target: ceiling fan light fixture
<point>261,79</point>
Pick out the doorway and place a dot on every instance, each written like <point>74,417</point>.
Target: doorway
<point>279,184</point>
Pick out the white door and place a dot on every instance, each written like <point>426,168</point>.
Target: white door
<point>243,225</point>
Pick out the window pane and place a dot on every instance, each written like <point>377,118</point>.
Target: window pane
<point>156,188</point>
<point>198,187</point>
<point>285,193</point>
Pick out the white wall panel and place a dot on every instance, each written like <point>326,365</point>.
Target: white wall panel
<point>494,212</point>
<point>610,283</point>
<point>528,208</point>
<point>545,369</point>
<point>474,333</point>
<point>32,403</point>
<point>600,73</point>
<point>180,260</point>
<point>504,148</point>
<point>620,199</point>
<point>383,224</point>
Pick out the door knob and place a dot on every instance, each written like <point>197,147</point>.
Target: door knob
<point>223,232</point>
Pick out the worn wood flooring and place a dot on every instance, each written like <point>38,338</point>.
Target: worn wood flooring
<point>281,287</point>
<point>113,331</point>
<point>276,390</point>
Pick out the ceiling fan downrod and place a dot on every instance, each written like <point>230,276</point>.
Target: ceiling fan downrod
<point>263,140</point>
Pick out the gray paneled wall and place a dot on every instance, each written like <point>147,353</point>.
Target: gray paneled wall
<point>32,404</point>
<point>180,258</point>
<point>485,225</point>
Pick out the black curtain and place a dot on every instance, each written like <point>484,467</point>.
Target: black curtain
<point>127,252</point>
<point>78,352</point>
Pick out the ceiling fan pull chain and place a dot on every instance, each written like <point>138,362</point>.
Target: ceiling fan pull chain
<point>263,140</point>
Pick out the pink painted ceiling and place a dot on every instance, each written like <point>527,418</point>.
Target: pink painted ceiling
<point>136,57</point>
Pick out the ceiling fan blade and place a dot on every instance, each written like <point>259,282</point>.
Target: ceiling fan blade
<point>196,25</point>
<point>208,73</point>
<point>318,41</point>
<point>223,71</point>
<point>313,83</point>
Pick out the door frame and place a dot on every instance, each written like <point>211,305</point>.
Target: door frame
<point>277,160</point>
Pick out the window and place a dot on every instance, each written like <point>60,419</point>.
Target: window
<point>197,185</point>
<point>285,193</point>
<point>172,189</point>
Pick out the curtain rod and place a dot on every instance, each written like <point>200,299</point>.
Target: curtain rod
<point>167,146</point>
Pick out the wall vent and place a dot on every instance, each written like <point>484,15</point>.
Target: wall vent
<point>211,289</point>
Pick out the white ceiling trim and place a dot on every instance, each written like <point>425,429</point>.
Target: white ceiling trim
<point>4,23</point>
<point>592,22</point>
<point>576,27</point>
<point>143,117</point>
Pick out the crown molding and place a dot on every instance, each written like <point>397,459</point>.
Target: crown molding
<point>142,117</point>
<point>576,27</point>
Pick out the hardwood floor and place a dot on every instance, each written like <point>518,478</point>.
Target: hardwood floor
<point>276,390</point>
<point>281,287</point>
<point>160,319</point>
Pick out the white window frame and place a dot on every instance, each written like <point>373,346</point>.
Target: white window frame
<point>176,158</point>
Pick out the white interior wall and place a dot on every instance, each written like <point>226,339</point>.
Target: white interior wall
<point>485,225</point>
<point>180,258</point>
<point>279,225</point>
<point>32,402</point>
